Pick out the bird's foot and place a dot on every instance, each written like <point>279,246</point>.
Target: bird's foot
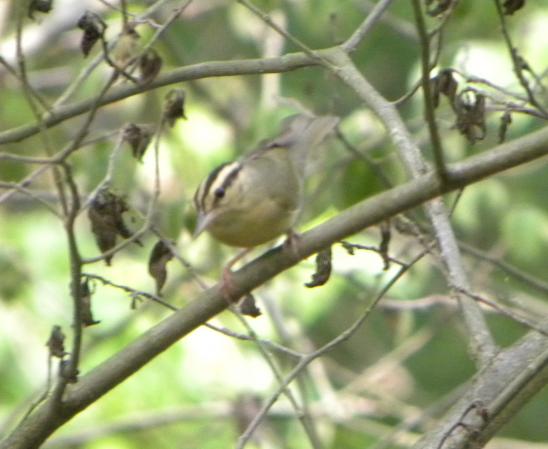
<point>292,242</point>
<point>228,287</point>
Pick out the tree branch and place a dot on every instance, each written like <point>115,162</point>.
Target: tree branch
<point>480,343</point>
<point>46,419</point>
<point>281,64</point>
<point>497,393</point>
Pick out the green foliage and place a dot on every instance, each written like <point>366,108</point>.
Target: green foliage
<point>207,373</point>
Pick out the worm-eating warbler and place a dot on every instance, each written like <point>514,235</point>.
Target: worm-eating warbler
<point>257,198</point>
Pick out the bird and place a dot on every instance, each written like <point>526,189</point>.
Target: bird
<point>255,199</point>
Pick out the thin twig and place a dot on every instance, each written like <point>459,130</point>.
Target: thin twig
<point>28,93</point>
<point>304,418</point>
<point>513,314</point>
<point>518,274</point>
<point>138,353</point>
<point>374,16</point>
<point>430,116</point>
<point>19,188</point>
<point>138,294</point>
<point>309,358</point>
<point>517,62</point>
<point>93,64</point>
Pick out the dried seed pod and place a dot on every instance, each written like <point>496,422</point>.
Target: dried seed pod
<point>511,6</point>
<point>470,110</point>
<point>93,27</point>
<point>43,6</point>
<point>439,7</point>
<point>444,83</point>
<point>174,106</point>
<point>505,121</point>
<point>105,214</point>
<point>87,314</point>
<point>323,269</point>
<point>56,342</point>
<point>138,137</point>
<point>159,257</point>
<point>248,306</point>
<point>150,64</point>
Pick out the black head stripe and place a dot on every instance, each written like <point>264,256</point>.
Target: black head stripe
<point>203,191</point>
<point>206,196</point>
<point>227,182</point>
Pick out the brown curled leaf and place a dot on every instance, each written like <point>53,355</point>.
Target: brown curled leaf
<point>56,342</point>
<point>93,27</point>
<point>174,106</point>
<point>385,241</point>
<point>150,64</point>
<point>43,6</point>
<point>248,306</point>
<point>505,121</point>
<point>350,249</point>
<point>438,7</point>
<point>323,269</point>
<point>138,137</point>
<point>470,110</point>
<point>106,216</point>
<point>448,85</point>
<point>159,257</point>
<point>511,6</point>
<point>87,314</point>
<point>444,83</point>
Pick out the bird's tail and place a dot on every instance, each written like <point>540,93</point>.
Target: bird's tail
<point>301,133</point>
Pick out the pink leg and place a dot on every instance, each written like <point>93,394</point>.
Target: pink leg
<point>228,283</point>
<point>292,242</point>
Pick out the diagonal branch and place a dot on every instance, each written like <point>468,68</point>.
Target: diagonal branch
<point>337,61</point>
<point>46,419</point>
<point>481,342</point>
<point>281,64</point>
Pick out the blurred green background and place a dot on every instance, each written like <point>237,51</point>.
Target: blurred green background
<point>406,363</point>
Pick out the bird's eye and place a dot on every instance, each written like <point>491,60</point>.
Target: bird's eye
<point>219,193</point>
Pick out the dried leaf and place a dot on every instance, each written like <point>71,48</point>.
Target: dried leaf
<point>174,106</point>
<point>444,83</point>
<point>93,28</point>
<point>87,315</point>
<point>138,137</point>
<point>448,85</point>
<point>511,6</point>
<point>323,269</point>
<point>105,213</point>
<point>505,121</point>
<point>56,342</point>
<point>44,6</point>
<point>248,306</point>
<point>385,241</point>
<point>439,7</point>
<point>159,257</point>
<point>150,64</point>
<point>135,301</point>
<point>470,110</point>
<point>350,249</point>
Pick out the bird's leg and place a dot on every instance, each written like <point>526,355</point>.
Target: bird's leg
<point>228,283</point>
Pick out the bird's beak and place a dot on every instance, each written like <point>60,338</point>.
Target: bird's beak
<point>203,221</point>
